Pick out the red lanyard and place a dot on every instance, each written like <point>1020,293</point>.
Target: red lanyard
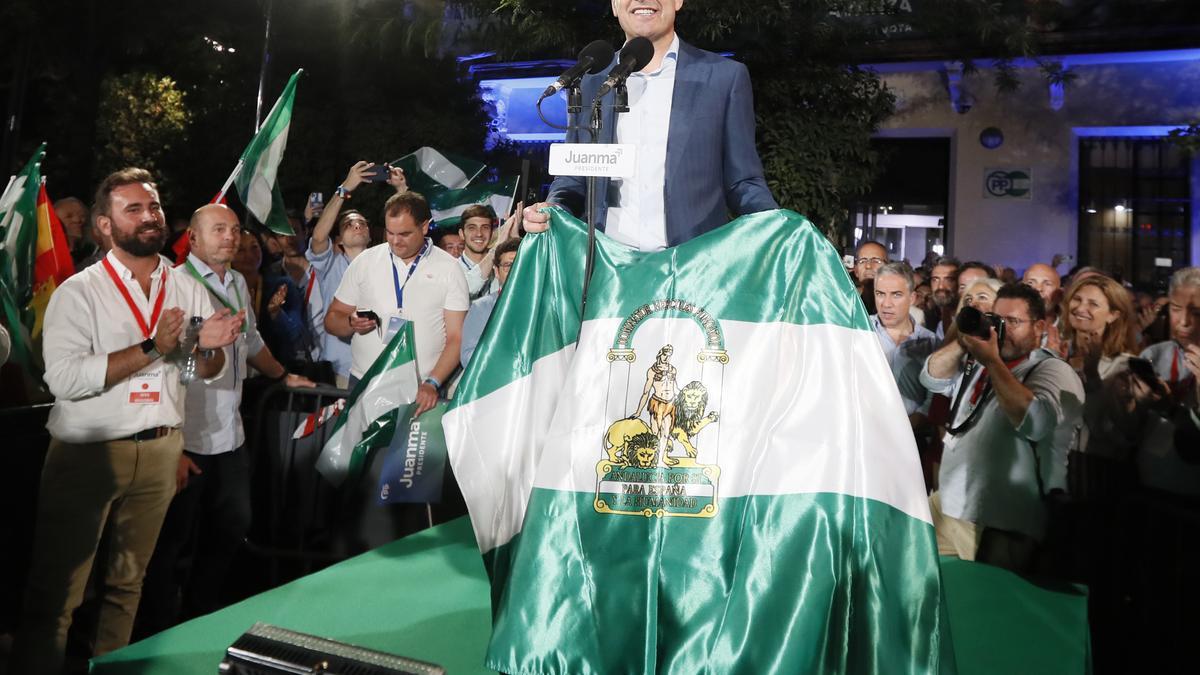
<point>983,378</point>
<point>312,280</point>
<point>137,314</point>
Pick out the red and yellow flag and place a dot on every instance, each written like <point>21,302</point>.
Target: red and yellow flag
<point>52,264</point>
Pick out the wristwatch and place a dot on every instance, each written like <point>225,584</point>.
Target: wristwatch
<point>432,382</point>
<point>150,349</point>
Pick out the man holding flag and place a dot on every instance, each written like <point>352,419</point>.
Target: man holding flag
<point>112,347</point>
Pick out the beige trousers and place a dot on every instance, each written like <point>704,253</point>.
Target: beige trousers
<point>122,486</point>
<point>969,541</point>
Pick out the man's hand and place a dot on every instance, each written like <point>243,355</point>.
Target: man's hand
<point>293,380</point>
<point>535,220</point>
<point>360,325</point>
<point>509,229</point>
<point>312,212</point>
<point>986,352</point>
<point>397,179</point>
<point>221,329</point>
<point>357,175</point>
<point>185,469</point>
<point>170,325</point>
<point>275,304</point>
<point>427,397</point>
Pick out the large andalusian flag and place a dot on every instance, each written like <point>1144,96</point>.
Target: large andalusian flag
<point>257,178</point>
<point>452,183</point>
<point>719,477</point>
<point>370,415</point>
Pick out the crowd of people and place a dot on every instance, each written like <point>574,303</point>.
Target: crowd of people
<point>147,357</point>
<point>1022,391</point>
<point>1029,393</point>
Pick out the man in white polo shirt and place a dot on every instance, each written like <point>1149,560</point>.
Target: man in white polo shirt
<point>405,279</point>
<point>112,354</point>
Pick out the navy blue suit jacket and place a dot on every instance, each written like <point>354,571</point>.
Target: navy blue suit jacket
<point>713,171</point>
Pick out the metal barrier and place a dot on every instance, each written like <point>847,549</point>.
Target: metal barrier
<point>298,502</point>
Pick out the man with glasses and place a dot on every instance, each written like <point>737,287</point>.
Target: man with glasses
<point>1015,409</point>
<point>868,258</point>
<point>481,310</point>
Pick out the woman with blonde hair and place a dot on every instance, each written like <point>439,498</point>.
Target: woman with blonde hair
<point>1098,327</point>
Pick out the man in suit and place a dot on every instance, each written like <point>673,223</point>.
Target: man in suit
<point>691,117</point>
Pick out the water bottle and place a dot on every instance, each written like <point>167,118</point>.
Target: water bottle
<point>188,343</point>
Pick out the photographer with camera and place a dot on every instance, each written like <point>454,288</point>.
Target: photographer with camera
<point>1014,412</point>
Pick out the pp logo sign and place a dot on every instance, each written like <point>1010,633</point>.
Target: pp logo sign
<point>1008,184</point>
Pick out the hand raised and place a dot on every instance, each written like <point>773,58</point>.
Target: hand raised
<point>397,179</point>
<point>357,175</point>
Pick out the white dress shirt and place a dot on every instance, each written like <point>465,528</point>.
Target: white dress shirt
<point>637,215</point>
<point>88,319</point>
<point>213,423</point>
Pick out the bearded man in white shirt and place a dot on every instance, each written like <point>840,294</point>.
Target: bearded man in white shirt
<point>113,360</point>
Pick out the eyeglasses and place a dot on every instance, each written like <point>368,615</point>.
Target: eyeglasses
<point>505,265</point>
<point>873,261</point>
<point>1016,321</point>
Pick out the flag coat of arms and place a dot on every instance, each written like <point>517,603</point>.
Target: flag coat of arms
<point>714,473</point>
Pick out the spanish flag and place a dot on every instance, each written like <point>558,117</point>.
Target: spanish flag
<point>52,264</point>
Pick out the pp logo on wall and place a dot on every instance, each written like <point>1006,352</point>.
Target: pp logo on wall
<point>1008,183</point>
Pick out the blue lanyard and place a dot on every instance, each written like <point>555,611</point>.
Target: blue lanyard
<point>411,269</point>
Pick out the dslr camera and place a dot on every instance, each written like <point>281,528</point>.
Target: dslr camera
<point>971,321</point>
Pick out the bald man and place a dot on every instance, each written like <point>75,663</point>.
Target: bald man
<point>212,503</point>
<point>1045,280</point>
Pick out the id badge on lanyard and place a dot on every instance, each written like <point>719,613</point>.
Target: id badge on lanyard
<point>396,323</point>
<point>145,388</point>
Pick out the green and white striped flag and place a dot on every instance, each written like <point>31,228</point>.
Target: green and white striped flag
<point>375,404</point>
<point>18,251</point>
<point>452,183</point>
<point>719,477</point>
<point>448,206</point>
<point>257,179</point>
<point>432,172</point>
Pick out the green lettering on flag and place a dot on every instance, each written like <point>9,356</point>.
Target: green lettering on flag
<point>719,476</point>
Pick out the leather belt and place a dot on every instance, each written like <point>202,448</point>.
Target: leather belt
<point>148,434</point>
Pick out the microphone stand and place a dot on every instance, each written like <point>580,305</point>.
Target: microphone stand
<point>594,126</point>
<point>620,105</point>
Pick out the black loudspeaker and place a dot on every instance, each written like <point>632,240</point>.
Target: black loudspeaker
<point>269,650</point>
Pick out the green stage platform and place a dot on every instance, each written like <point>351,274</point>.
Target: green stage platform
<point>426,597</point>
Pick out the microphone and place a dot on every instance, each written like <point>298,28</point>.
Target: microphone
<point>592,59</point>
<point>634,56</point>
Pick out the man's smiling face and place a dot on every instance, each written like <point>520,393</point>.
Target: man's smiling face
<point>651,19</point>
